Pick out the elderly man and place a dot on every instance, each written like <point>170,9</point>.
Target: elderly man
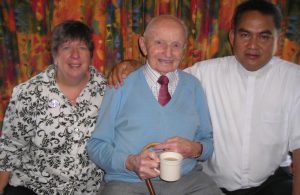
<point>254,102</point>
<point>140,113</point>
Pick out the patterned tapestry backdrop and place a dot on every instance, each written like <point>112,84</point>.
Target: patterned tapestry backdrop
<point>26,26</point>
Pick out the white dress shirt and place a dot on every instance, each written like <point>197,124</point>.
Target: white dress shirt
<point>255,118</point>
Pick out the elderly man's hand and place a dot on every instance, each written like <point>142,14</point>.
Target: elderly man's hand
<point>121,71</point>
<point>187,148</point>
<point>145,164</point>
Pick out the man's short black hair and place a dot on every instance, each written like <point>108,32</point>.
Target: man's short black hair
<point>263,6</point>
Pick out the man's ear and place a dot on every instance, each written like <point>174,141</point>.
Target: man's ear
<point>279,42</point>
<point>231,37</point>
<point>142,44</point>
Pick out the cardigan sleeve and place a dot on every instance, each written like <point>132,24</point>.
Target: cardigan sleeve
<point>101,147</point>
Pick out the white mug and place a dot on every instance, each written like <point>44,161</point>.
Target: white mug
<point>170,166</point>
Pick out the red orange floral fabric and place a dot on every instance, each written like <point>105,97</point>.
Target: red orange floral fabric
<point>26,29</point>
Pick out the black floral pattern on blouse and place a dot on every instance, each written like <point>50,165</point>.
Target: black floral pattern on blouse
<point>44,136</point>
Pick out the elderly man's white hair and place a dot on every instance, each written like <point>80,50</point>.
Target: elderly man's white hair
<point>168,17</point>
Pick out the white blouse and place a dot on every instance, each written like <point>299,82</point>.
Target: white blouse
<point>44,136</point>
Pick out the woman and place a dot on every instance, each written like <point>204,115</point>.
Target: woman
<point>50,117</point>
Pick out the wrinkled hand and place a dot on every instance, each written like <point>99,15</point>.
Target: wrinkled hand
<point>145,164</point>
<point>120,72</point>
<point>187,148</point>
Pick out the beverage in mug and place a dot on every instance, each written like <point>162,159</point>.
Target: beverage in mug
<point>170,166</point>
<point>171,159</point>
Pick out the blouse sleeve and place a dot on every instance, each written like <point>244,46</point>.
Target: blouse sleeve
<point>18,128</point>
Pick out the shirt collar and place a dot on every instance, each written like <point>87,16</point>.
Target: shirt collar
<point>152,75</point>
<point>246,73</point>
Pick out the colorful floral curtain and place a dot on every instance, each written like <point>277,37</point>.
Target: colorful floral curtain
<point>26,28</point>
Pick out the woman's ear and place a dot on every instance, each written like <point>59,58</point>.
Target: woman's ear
<point>142,44</point>
<point>54,59</point>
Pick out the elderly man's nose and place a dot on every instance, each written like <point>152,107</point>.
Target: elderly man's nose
<point>168,50</point>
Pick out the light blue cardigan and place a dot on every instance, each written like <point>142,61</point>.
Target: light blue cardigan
<point>130,117</point>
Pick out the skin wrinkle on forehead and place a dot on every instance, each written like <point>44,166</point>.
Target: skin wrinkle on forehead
<point>156,22</point>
